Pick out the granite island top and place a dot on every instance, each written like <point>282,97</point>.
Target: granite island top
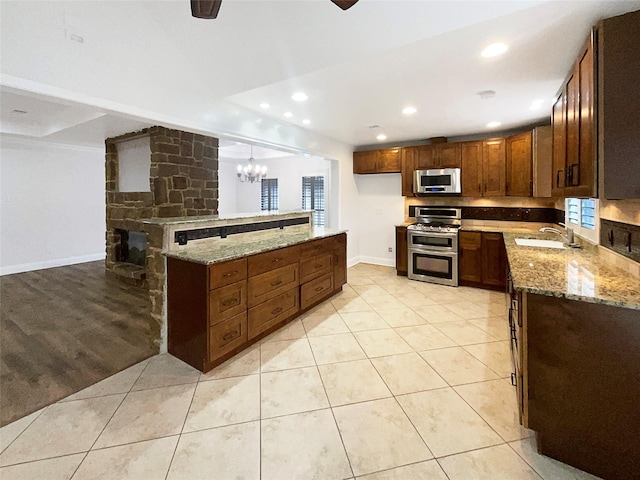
<point>222,251</point>
<point>576,274</point>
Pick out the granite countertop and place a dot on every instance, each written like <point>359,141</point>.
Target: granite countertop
<point>576,274</point>
<point>236,216</point>
<point>221,251</point>
<point>529,229</point>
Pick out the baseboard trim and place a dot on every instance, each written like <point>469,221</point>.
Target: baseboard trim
<point>61,262</point>
<point>386,262</point>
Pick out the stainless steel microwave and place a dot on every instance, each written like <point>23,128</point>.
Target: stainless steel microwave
<point>434,181</point>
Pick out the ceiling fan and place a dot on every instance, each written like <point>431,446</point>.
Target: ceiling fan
<point>210,8</point>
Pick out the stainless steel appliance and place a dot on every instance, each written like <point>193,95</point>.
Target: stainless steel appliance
<point>437,181</point>
<point>432,244</point>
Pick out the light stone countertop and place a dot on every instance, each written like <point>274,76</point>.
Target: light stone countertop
<point>224,219</point>
<point>577,274</point>
<point>222,252</point>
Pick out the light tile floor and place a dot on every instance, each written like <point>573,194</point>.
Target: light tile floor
<point>389,380</point>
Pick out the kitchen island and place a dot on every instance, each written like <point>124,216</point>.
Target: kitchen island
<point>227,293</point>
<point>575,337</point>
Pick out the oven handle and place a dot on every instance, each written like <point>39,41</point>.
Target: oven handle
<point>414,233</point>
<point>441,253</point>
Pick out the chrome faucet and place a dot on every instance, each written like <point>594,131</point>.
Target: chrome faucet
<point>568,238</point>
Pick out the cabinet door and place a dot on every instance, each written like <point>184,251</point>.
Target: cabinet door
<point>573,128</point>
<point>409,155</point>
<point>401,251</point>
<point>365,162</point>
<point>519,162</point>
<point>340,261</point>
<point>494,260</point>
<point>426,157</point>
<point>559,145</point>
<point>449,155</point>
<point>389,160</point>
<point>581,176</point>
<point>494,167</point>
<point>471,257</point>
<point>471,169</point>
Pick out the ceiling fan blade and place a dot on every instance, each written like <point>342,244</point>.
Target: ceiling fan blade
<point>345,4</point>
<point>206,8</point>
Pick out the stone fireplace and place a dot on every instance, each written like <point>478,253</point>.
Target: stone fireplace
<point>176,176</point>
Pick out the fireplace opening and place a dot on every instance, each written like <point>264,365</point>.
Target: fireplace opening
<point>132,248</point>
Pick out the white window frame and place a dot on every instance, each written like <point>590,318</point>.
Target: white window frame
<point>592,236</point>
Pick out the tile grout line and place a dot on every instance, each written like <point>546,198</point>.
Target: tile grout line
<point>25,428</point>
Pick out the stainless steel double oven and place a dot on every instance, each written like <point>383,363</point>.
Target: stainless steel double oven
<point>433,245</point>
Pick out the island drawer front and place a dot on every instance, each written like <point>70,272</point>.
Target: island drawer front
<point>221,274</point>
<point>227,335</point>
<point>264,262</point>
<point>271,284</point>
<point>225,302</point>
<point>316,247</point>
<point>314,267</point>
<point>316,290</point>
<point>274,311</point>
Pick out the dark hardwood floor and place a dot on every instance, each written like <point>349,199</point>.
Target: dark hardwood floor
<point>63,329</point>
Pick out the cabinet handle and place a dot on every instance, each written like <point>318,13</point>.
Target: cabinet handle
<point>629,242</point>
<point>233,301</point>
<point>513,380</point>
<point>277,282</point>
<point>610,237</point>
<point>319,289</point>
<point>558,174</point>
<point>480,188</point>
<point>275,311</point>
<point>276,260</point>
<point>235,272</point>
<point>318,265</point>
<point>571,170</point>
<point>230,335</point>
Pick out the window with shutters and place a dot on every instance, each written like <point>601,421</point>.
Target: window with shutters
<point>269,197</point>
<point>313,198</point>
<point>582,215</point>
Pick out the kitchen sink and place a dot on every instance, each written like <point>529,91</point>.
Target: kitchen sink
<point>534,242</point>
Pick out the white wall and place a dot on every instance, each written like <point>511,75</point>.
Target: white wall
<point>227,184</point>
<point>52,211</point>
<point>380,206</point>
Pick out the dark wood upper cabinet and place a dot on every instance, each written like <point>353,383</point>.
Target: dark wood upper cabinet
<point>388,160</point>
<point>574,129</point>
<point>618,112</point>
<point>494,167</point>
<point>426,157</point>
<point>471,169</point>
<point>409,155</point>
<point>448,155</point>
<point>519,165</point>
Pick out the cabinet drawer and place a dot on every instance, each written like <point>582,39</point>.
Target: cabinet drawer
<point>273,311</point>
<point>311,268</point>
<point>222,274</point>
<point>316,290</point>
<point>271,284</point>
<point>316,247</point>
<point>227,301</point>
<point>227,335</point>
<point>264,262</point>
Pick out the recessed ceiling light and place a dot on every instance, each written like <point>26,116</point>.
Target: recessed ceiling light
<point>409,110</point>
<point>493,124</point>
<point>264,105</point>
<point>299,97</point>
<point>306,121</point>
<point>288,114</point>
<point>381,137</point>
<point>536,104</point>
<point>494,50</point>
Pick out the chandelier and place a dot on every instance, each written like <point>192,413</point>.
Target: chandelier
<point>251,172</point>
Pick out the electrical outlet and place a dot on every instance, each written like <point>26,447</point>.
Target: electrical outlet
<point>391,249</point>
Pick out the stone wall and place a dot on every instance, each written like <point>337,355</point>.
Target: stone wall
<point>183,182</point>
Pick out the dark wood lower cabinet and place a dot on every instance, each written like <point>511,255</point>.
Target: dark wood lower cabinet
<point>215,311</point>
<point>483,260</point>
<point>402,255</point>
<point>582,383</point>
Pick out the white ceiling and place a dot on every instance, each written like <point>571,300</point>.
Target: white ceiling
<point>145,62</point>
